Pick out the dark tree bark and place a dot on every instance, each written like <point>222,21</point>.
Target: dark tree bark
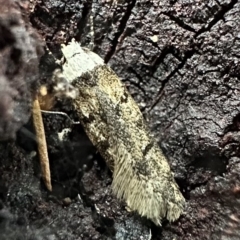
<point>181,62</point>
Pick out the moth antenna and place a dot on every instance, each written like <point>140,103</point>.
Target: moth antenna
<point>92,33</point>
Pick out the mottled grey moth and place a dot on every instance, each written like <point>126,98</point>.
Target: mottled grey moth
<point>115,125</point>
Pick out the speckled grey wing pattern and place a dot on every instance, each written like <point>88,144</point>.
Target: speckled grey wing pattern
<point>115,125</point>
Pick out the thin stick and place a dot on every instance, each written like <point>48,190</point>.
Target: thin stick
<point>42,144</point>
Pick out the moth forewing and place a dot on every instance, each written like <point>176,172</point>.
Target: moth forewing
<point>115,125</point>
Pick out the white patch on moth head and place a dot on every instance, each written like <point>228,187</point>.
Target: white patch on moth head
<point>78,60</point>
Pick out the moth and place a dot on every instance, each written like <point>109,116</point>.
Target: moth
<point>115,125</point>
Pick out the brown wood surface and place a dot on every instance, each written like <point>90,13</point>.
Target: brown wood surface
<point>181,62</point>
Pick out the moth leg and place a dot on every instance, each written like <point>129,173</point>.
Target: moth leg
<point>63,114</point>
<point>43,102</point>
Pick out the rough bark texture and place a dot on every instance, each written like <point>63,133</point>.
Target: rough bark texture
<point>181,62</point>
<point>20,51</point>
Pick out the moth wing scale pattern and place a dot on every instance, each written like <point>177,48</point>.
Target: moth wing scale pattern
<point>114,123</point>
